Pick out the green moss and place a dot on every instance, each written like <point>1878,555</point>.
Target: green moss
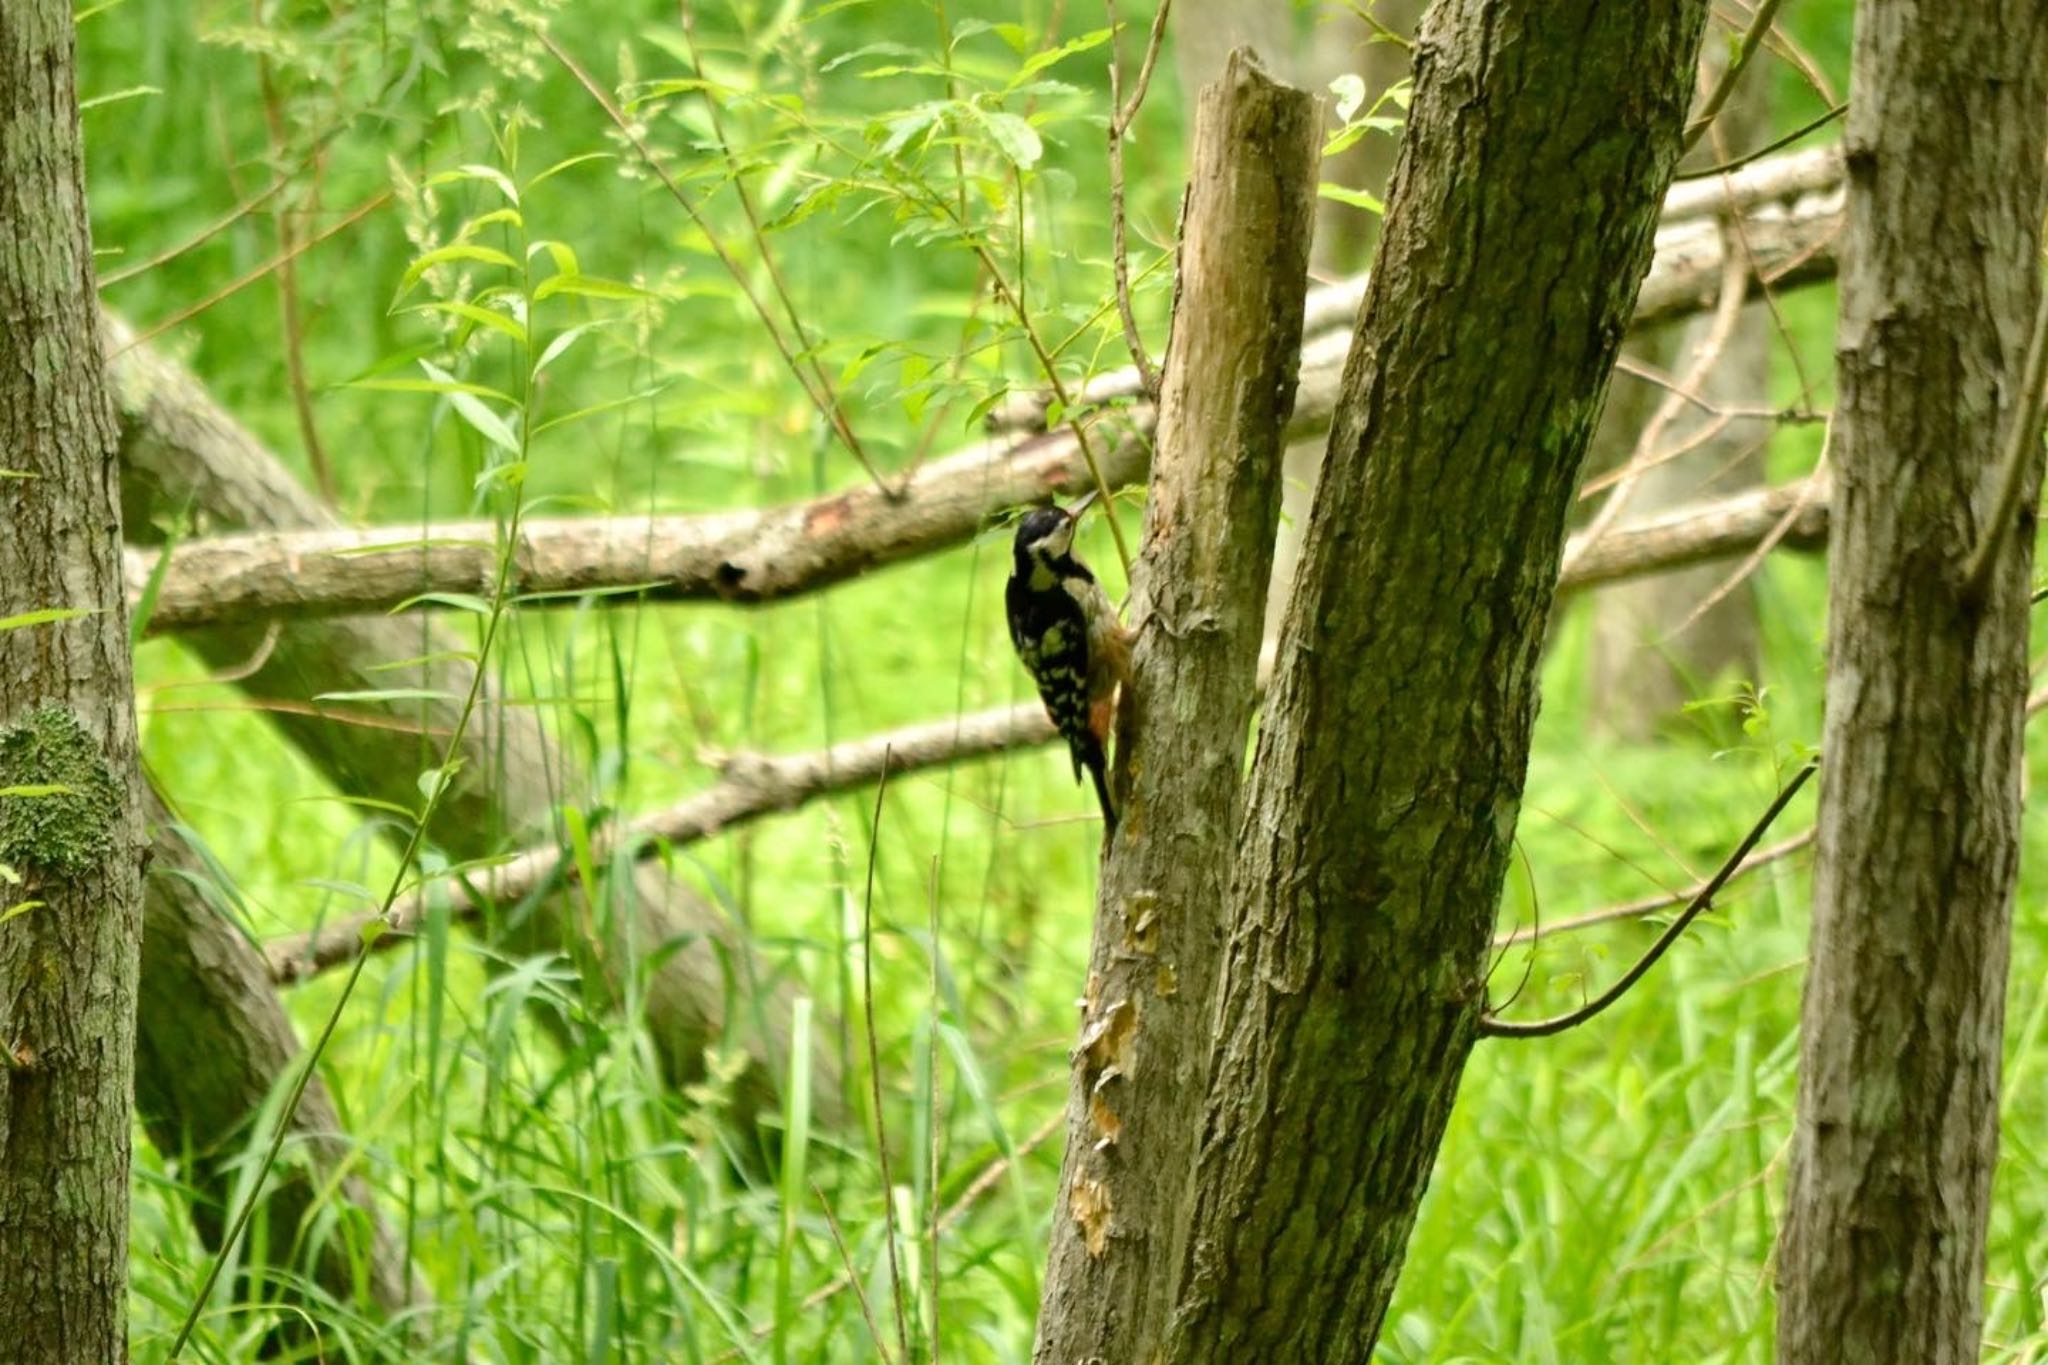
<point>59,803</point>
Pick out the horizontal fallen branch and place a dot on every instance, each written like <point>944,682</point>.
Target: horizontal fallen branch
<point>1792,207</point>
<point>762,556</point>
<point>751,786</point>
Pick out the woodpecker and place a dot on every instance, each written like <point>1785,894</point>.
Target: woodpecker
<point>1067,634</point>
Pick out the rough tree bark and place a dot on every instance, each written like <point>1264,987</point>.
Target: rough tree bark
<point>1882,1251</point>
<point>1198,597</point>
<point>1394,741</point>
<point>70,804</point>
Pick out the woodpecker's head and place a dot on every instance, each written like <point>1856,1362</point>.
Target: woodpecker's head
<point>1046,536</point>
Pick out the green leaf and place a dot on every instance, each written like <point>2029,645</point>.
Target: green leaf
<point>565,163</point>
<point>489,220</point>
<point>482,317</point>
<point>389,694</point>
<point>489,175</point>
<point>590,287</point>
<point>981,410</point>
<point>116,96</point>
<point>1016,137</point>
<point>459,601</point>
<point>591,411</point>
<point>910,123</point>
<point>454,251</point>
<point>1357,199</point>
<point>565,340</point>
<point>1052,56</point>
<point>448,386</point>
<point>1349,89</point>
<point>471,409</point>
<point>19,908</point>
<point>32,790</point>
<point>145,605</point>
<point>44,616</point>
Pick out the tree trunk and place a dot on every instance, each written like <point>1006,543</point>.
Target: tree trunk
<point>1395,737</point>
<point>1197,600</point>
<point>71,823</point>
<point>1882,1256</point>
<point>181,449</point>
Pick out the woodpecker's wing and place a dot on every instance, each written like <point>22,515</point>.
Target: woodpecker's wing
<point>1051,633</point>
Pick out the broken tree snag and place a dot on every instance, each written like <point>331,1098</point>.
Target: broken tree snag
<point>1882,1249</point>
<point>1395,737</point>
<point>1198,599</point>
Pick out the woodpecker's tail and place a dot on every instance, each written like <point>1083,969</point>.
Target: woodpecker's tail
<point>1098,770</point>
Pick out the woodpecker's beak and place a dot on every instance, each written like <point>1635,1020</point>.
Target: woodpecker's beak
<point>1087,500</point>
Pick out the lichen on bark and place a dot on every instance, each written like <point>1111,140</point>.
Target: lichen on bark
<point>59,803</point>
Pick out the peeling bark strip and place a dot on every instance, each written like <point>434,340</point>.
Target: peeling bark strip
<point>1882,1250</point>
<point>1394,743</point>
<point>72,829</point>
<point>753,557</point>
<point>1198,602</point>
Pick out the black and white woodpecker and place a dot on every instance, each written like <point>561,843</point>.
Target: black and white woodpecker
<point>1067,634</point>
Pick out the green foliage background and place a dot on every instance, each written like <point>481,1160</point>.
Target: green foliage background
<point>1607,1195</point>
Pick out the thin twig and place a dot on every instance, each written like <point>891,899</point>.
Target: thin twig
<point>1736,163</point>
<point>827,406</point>
<point>1727,313</point>
<point>241,282</point>
<point>1647,905</point>
<point>288,302</point>
<point>867,976</point>
<point>1752,39</point>
<point>760,236</point>
<point>2022,443</point>
<point>1813,486</point>
<point>1121,117</point>
<point>955,1211</point>
<point>850,1278</point>
<point>1491,1026</point>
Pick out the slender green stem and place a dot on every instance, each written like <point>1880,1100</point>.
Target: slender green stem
<point>493,621</point>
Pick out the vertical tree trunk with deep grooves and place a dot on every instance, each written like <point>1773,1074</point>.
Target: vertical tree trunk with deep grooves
<point>1198,602</point>
<point>1395,737</point>
<point>71,830</point>
<point>1882,1256</point>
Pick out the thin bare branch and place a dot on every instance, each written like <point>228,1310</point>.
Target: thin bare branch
<point>1727,312</point>
<point>1648,905</point>
<point>1775,144</point>
<point>1120,124</point>
<point>752,786</point>
<point>1752,39</point>
<point>824,401</point>
<point>1791,215</point>
<point>2022,447</point>
<point>243,281</point>
<point>1492,1026</point>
